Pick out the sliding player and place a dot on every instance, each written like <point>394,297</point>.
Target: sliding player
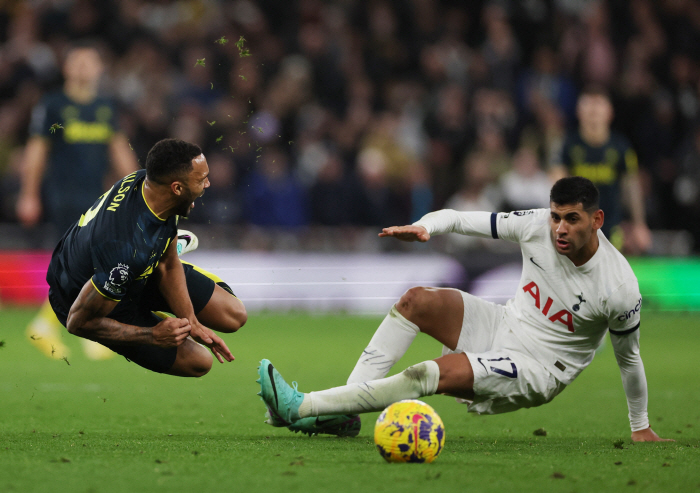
<point>575,286</point>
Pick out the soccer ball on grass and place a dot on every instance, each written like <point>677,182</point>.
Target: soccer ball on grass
<point>409,431</point>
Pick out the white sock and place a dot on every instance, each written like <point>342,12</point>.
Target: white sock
<point>391,341</point>
<point>414,382</point>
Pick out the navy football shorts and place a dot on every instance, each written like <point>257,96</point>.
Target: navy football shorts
<point>200,286</point>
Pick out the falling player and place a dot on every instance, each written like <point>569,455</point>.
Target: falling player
<point>119,263</point>
<point>575,286</point>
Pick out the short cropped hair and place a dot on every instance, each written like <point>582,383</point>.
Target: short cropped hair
<point>595,90</point>
<point>170,159</point>
<point>574,190</point>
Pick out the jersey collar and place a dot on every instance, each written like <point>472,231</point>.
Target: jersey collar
<point>146,202</point>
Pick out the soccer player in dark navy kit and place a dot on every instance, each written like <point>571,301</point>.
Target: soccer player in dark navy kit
<point>75,152</point>
<point>605,157</point>
<point>118,264</point>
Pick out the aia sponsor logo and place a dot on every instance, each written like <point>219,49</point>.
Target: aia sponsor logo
<point>562,316</point>
<point>627,314</point>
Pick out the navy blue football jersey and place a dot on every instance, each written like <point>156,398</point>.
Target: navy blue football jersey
<point>79,157</point>
<point>116,244</point>
<point>604,166</point>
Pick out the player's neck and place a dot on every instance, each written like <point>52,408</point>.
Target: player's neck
<point>80,93</point>
<point>586,253</point>
<point>157,201</point>
<point>595,136</point>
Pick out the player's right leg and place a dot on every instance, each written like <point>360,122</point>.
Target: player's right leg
<point>192,360</point>
<point>451,374</point>
<point>438,312</point>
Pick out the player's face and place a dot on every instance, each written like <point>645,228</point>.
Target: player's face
<point>194,184</point>
<point>594,110</point>
<point>574,231</point>
<point>83,65</point>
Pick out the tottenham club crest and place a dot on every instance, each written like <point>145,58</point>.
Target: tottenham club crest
<point>117,278</point>
<point>577,306</point>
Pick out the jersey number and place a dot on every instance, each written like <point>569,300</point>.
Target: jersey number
<point>513,373</point>
<point>92,211</point>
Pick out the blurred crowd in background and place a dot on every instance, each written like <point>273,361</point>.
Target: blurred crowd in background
<point>372,112</point>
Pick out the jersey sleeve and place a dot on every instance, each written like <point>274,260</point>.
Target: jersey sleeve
<point>624,306</point>
<point>517,226</point>
<point>468,223</point>
<point>113,270</point>
<point>512,226</point>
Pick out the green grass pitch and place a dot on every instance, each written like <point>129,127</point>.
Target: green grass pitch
<point>112,426</point>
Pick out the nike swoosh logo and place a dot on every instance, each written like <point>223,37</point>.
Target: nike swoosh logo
<point>320,422</point>
<point>274,388</point>
<point>187,238</point>
<point>532,259</point>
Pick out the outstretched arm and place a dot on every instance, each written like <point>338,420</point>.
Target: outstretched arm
<point>634,382</point>
<point>406,233</point>
<point>441,222</point>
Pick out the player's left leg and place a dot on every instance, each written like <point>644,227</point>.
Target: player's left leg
<point>213,300</point>
<point>44,333</point>
<point>450,374</point>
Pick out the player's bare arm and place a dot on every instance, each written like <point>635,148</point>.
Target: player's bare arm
<point>122,158</point>
<point>173,286</point>
<point>88,319</point>
<point>406,233</point>
<point>29,207</point>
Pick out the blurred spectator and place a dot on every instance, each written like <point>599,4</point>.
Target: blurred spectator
<point>477,193</point>
<point>545,81</point>
<point>335,197</point>
<point>526,185</point>
<point>272,196</point>
<point>415,85</point>
<point>687,185</point>
<point>221,203</point>
<point>606,158</point>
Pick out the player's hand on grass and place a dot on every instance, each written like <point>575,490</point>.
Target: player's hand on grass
<point>208,337</point>
<point>171,332</point>
<point>406,233</point>
<point>648,435</point>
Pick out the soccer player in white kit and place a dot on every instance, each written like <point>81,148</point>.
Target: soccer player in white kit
<point>575,286</point>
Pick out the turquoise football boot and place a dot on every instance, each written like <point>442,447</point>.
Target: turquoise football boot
<point>281,399</point>
<point>345,425</point>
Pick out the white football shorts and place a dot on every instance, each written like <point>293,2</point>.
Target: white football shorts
<point>506,376</point>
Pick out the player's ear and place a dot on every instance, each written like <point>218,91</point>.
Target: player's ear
<point>598,219</point>
<point>176,187</point>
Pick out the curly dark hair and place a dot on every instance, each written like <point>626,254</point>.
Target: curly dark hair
<point>170,159</point>
<point>576,190</point>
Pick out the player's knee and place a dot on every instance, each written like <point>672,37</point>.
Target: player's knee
<point>414,303</point>
<point>236,316</point>
<point>200,364</point>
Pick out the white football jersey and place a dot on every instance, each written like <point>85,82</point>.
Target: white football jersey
<point>560,312</point>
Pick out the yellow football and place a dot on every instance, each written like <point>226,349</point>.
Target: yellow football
<point>409,431</point>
